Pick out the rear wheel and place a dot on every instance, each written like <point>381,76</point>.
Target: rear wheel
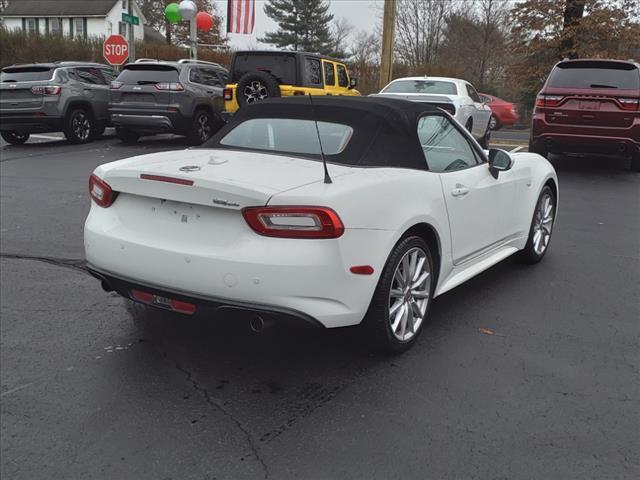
<point>256,86</point>
<point>536,148</point>
<point>401,301</point>
<point>201,129</point>
<point>79,126</point>
<point>15,138</point>
<point>541,227</point>
<point>127,136</point>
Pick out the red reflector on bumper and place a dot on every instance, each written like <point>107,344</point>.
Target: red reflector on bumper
<point>362,269</point>
<point>163,302</point>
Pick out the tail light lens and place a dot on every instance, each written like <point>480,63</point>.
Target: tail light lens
<point>548,100</point>
<point>172,87</point>
<point>50,90</point>
<point>115,85</point>
<point>100,191</point>
<point>227,94</point>
<point>629,103</point>
<point>294,222</point>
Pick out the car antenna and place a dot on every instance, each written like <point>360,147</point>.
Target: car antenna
<point>327,178</point>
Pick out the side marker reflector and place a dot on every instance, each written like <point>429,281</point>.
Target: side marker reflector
<point>362,269</point>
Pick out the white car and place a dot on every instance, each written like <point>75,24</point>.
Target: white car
<point>456,96</point>
<point>410,207</point>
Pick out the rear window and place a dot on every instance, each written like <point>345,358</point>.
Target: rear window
<point>421,86</point>
<point>282,67</point>
<point>26,74</point>
<point>595,75</point>
<point>289,136</point>
<point>141,74</point>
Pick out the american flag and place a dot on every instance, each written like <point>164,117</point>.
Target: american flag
<point>241,16</point>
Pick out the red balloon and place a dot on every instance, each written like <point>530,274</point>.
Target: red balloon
<point>204,21</point>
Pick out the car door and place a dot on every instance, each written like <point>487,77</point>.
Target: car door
<point>214,85</point>
<point>95,90</point>
<point>480,113</point>
<point>475,200</point>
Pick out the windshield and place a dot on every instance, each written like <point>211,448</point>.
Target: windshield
<point>421,86</point>
<point>26,74</point>
<point>289,136</point>
<point>148,74</point>
<point>595,75</point>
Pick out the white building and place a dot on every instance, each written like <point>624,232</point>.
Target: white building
<point>72,18</point>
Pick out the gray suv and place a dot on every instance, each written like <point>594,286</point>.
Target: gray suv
<point>183,97</point>
<point>71,97</point>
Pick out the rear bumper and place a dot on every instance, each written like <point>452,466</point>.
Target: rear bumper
<point>30,123</point>
<point>205,306</point>
<point>152,122</point>
<point>584,139</point>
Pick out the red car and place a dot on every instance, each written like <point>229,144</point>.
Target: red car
<point>589,106</point>
<point>503,113</point>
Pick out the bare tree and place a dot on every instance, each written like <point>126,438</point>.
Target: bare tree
<point>419,29</point>
<point>341,30</point>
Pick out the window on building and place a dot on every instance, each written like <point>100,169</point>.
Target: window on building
<point>78,28</point>
<point>31,25</point>
<point>55,26</point>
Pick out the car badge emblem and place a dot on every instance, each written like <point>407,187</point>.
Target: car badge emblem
<point>12,85</point>
<point>137,88</point>
<point>190,168</point>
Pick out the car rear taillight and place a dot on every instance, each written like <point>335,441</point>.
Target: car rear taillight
<point>294,222</point>
<point>227,93</point>
<point>629,103</point>
<point>172,87</point>
<point>51,90</point>
<point>548,100</point>
<point>115,85</point>
<point>100,191</point>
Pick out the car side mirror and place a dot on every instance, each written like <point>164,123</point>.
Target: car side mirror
<point>499,161</point>
<point>353,82</point>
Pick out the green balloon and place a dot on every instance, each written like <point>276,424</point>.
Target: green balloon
<point>172,13</point>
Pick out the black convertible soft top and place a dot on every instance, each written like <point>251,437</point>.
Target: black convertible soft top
<point>384,129</point>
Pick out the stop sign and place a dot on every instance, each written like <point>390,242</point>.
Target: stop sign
<point>115,49</point>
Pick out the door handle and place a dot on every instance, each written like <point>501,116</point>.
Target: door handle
<point>459,191</point>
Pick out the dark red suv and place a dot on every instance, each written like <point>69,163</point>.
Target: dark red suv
<point>589,106</point>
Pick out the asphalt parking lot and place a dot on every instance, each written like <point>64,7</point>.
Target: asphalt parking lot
<point>522,373</point>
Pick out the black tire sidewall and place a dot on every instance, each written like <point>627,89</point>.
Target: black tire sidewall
<point>10,137</point>
<point>269,81</point>
<point>528,253</point>
<point>70,133</point>
<point>194,135</point>
<point>376,326</point>
<point>127,136</point>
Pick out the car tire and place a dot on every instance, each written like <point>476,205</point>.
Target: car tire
<point>15,138</point>
<point>127,136</point>
<point>202,128</point>
<point>635,162</point>
<point>386,326</point>
<point>494,124</point>
<point>543,221</point>
<point>256,86</point>
<point>486,138</point>
<point>535,148</point>
<point>79,126</point>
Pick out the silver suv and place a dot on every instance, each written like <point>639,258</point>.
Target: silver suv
<point>71,97</point>
<point>183,97</point>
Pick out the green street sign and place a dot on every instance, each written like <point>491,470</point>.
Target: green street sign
<point>132,19</point>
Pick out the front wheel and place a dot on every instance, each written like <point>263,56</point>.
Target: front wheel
<point>79,126</point>
<point>15,138</point>
<point>402,298</point>
<point>541,227</point>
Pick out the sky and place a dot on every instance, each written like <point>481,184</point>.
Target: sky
<point>362,14</point>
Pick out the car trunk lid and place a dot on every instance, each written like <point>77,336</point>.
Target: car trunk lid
<point>16,86</point>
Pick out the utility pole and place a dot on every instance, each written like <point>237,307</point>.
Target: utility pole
<point>132,36</point>
<point>388,30</point>
<point>193,37</point>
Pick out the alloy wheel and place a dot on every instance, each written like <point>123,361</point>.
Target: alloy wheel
<point>543,223</point>
<point>81,126</point>
<point>204,127</point>
<point>409,294</point>
<point>255,91</point>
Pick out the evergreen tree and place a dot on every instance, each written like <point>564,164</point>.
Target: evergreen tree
<point>303,25</point>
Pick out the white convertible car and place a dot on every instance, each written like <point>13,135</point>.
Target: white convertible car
<point>458,97</point>
<point>408,208</point>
